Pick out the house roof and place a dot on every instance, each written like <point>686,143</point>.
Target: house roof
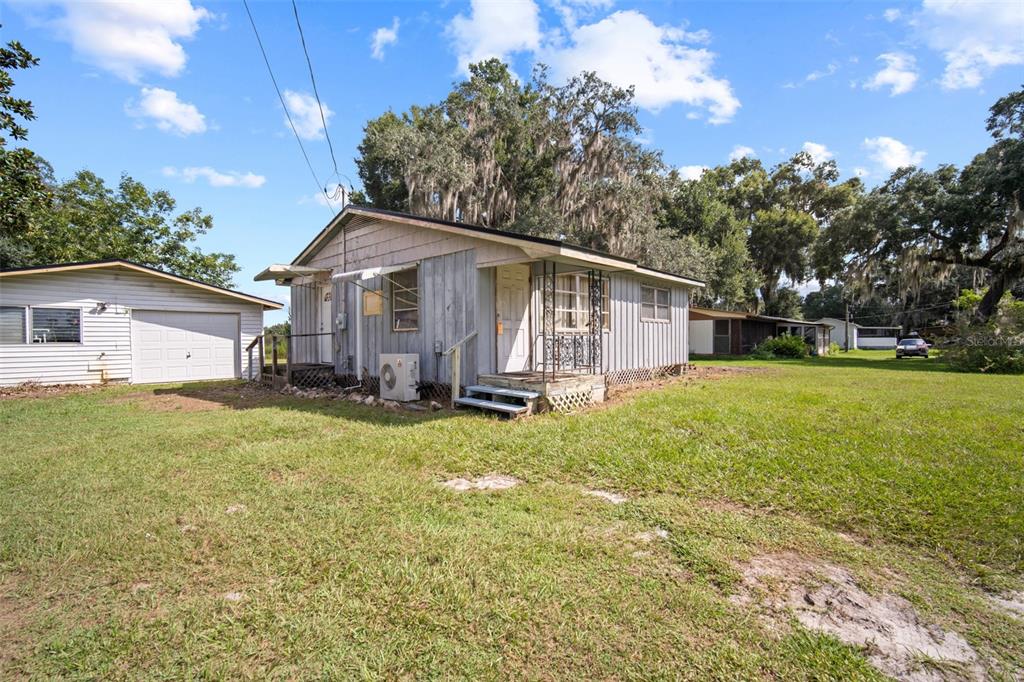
<point>698,313</point>
<point>128,265</point>
<point>543,245</point>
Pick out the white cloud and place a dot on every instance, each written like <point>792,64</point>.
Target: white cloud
<point>306,115</point>
<point>892,14</point>
<point>691,172</point>
<point>899,74</point>
<point>829,70</point>
<point>384,37</point>
<point>740,151</point>
<point>495,29</point>
<point>168,112</point>
<point>891,154</point>
<point>819,152</point>
<point>214,177</point>
<point>975,37</point>
<point>628,49</point>
<point>572,10</point>
<point>131,38</point>
<point>334,199</point>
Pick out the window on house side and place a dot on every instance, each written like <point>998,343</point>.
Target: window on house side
<point>405,300</point>
<point>56,325</point>
<point>12,324</point>
<point>654,304</point>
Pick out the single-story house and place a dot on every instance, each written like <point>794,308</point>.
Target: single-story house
<point>723,332</point>
<point>114,320</point>
<point>376,282</point>
<point>865,338</point>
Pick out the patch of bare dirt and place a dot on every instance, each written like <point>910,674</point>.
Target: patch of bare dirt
<point>167,402</point>
<point>827,598</point>
<point>614,498</point>
<point>1012,603</point>
<point>488,482</point>
<point>30,389</point>
<point>15,617</point>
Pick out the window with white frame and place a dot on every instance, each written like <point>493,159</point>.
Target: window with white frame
<point>405,300</point>
<point>572,302</point>
<point>12,324</point>
<point>56,325</point>
<point>655,304</point>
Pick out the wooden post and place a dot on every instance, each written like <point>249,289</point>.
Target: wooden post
<point>847,349</point>
<point>288,361</point>
<point>273,361</point>
<point>250,363</point>
<point>456,363</point>
<point>263,357</point>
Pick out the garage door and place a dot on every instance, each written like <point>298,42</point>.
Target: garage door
<point>180,346</point>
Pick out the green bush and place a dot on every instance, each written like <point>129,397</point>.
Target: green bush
<point>834,348</point>
<point>990,359</point>
<point>784,346</point>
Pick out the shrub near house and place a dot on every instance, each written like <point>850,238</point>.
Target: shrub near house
<point>782,346</point>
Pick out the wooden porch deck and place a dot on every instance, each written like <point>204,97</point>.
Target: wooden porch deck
<point>555,386</point>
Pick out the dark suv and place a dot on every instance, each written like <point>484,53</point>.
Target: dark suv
<point>910,347</point>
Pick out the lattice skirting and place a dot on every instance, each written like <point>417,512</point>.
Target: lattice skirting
<point>571,401</point>
<point>429,390</point>
<point>638,374</point>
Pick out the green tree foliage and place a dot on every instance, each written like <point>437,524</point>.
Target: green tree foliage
<point>24,193</point>
<point>89,221</point>
<point>924,226</point>
<point>529,157</point>
<point>829,301</point>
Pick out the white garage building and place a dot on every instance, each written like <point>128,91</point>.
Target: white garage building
<point>114,320</point>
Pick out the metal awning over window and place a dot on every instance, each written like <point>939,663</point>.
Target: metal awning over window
<point>370,273</point>
<point>283,272</point>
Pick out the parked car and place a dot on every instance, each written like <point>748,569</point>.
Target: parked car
<point>910,347</point>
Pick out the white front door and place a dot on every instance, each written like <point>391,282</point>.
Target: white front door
<point>513,323</point>
<point>326,339</point>
<point>183,346</point>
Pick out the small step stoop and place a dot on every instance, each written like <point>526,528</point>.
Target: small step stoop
<point>510,402</point>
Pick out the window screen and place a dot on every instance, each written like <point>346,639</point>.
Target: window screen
<point>654,303</point>
<point>56,325</point>
<point>405,300</point>
<point>12,324</point>
<point>721,327</point>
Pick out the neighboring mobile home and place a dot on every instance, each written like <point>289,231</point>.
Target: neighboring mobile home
<point>722,332</point>
<point>377,282</point>
<point>114,320</point>
<point>864,338</point>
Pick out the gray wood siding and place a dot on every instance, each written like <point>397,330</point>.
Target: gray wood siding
<point>371,242</point>
<point>631,342</point>
<point>486,322</point>
<point>448,290</point>
<point>305,310</point>
<point>106,335</point>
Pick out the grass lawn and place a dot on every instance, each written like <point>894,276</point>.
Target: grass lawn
<point>184,531</point>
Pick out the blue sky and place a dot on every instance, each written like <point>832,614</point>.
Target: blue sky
<point>176,95</point>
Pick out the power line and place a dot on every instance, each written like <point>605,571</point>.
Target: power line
<point>287,114</point>
<point>302,38</point>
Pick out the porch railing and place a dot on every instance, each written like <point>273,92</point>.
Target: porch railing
<point>456,354</point>
<point>273,360</point>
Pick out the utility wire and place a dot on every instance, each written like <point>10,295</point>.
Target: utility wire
<point>302,38</point>
<point>287,114</point>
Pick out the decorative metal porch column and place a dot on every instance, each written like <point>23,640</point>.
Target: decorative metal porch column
<point>595,283</point>
<point>548,342</point>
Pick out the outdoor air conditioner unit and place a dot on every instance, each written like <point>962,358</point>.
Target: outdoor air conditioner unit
<point>399,376</point>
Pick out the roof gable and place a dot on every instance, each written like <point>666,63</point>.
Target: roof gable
<point>145,269</point>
